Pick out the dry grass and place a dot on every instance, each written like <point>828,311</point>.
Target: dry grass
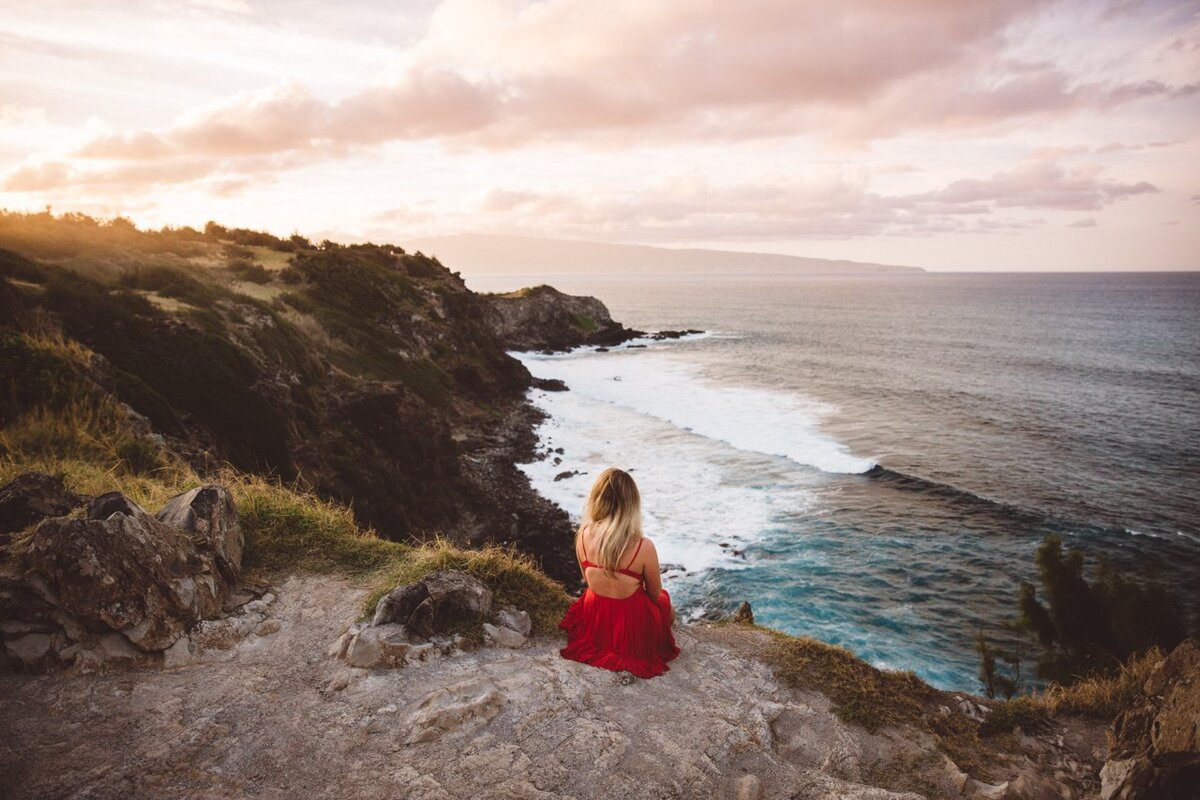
<point>290,530</point>
<point>873,698</point>
<point>273,260</point>
<point>259,291</point>
<point>168,304</point>
<point>513,577</point>
<point>1102,696</point>
<point>860,693</point>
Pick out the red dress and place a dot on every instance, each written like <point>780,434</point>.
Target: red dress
<point>631,634</point>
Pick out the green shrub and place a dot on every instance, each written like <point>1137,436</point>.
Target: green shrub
<point>138,455</point>
<point>249,271</point>
<point>1089,627</point>
<point>171,282</point>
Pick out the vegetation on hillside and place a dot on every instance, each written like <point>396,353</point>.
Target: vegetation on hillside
<point>344,367</point>
<point>1097,639</point>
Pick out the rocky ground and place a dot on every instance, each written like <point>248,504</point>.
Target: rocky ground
<point>275,715</point>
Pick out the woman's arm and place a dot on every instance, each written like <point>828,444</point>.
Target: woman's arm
<point>650,570</point>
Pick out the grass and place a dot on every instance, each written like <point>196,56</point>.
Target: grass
<point>874,698</point>
<point>289,530</point>
<point>860,693</point>
<point>513,578</point>
<point>584,323</point>
<point>1099,695</point>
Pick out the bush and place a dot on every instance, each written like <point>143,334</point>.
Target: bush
<point>249,271</point>
<point>171,282</point>
<point>1089,628</point>
<point>138,455</point>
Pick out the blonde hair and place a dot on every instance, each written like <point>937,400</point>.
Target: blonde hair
<point>614,510</point>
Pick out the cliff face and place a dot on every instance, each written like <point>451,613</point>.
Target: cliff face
<point>370,375</point>
<point>543,318</point>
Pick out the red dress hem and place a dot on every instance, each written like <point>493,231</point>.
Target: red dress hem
<point>632,634</point>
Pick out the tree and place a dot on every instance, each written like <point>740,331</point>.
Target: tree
<point>1092,627</point>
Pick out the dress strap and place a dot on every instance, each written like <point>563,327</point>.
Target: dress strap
<point>635,552</point>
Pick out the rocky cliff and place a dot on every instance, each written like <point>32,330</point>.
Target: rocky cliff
<point>543,318</point>
<point>371,375</point>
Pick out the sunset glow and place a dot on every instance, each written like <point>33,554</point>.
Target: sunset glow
<point>1007,134</point>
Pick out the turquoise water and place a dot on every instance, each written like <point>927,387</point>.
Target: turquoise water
<point>873,460</point>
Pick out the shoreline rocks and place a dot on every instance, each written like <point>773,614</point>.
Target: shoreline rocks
<point>543,318</point>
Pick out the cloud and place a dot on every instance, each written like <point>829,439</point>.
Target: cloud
<point>829,204</point>
<point>1086,222</point>
<point>1041,183</point>
<point>501,74</point>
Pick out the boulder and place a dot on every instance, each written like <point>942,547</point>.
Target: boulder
<point>502,636</point>
<point>32,497</point>
<point>515,619</point>
<point>122,570</point>
<point>744,614</point>
<point>1154,745</point>
<point>425,607</point>
<point>417,621</point>
<point>209,512</point>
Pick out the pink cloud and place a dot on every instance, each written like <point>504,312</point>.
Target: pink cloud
<point>691,208</point>
<point>501,74</point>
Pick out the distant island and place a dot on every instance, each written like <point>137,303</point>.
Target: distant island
<point>522,255</point>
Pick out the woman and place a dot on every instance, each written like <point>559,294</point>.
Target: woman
<point>622,622</point>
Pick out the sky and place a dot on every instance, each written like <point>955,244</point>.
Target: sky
<point>948,134</point>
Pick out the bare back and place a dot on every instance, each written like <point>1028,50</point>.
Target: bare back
<point>640,558</point>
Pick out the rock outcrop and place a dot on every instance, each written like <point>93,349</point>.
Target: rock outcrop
<point>120,585</point>
<point>32,497</point>
<point>543,318</point>
<point>1154,746</point>
<point>433,617</point>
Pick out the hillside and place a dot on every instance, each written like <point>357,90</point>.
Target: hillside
<point>370,375</point>
<point>483,254</point>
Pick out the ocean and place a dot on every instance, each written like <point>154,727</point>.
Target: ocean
<point>873,460</point>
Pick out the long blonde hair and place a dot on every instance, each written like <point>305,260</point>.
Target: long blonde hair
<point>614,510</point>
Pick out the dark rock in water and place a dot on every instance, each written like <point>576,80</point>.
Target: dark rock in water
<point>549,384</point>
<point>1154,745</point>
<point>121,583</point>
<point>658,336</point>
<point>602,349</point>
<point>635,346</point>
<point>744,614</point>
<point>568,474</point>
<point>543,318</point>
<point>440,597</point>
<point>209,512</point>
<point>32,497</point>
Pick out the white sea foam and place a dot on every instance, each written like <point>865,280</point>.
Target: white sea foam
<point>660,385</point>
<point>711,486</point>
